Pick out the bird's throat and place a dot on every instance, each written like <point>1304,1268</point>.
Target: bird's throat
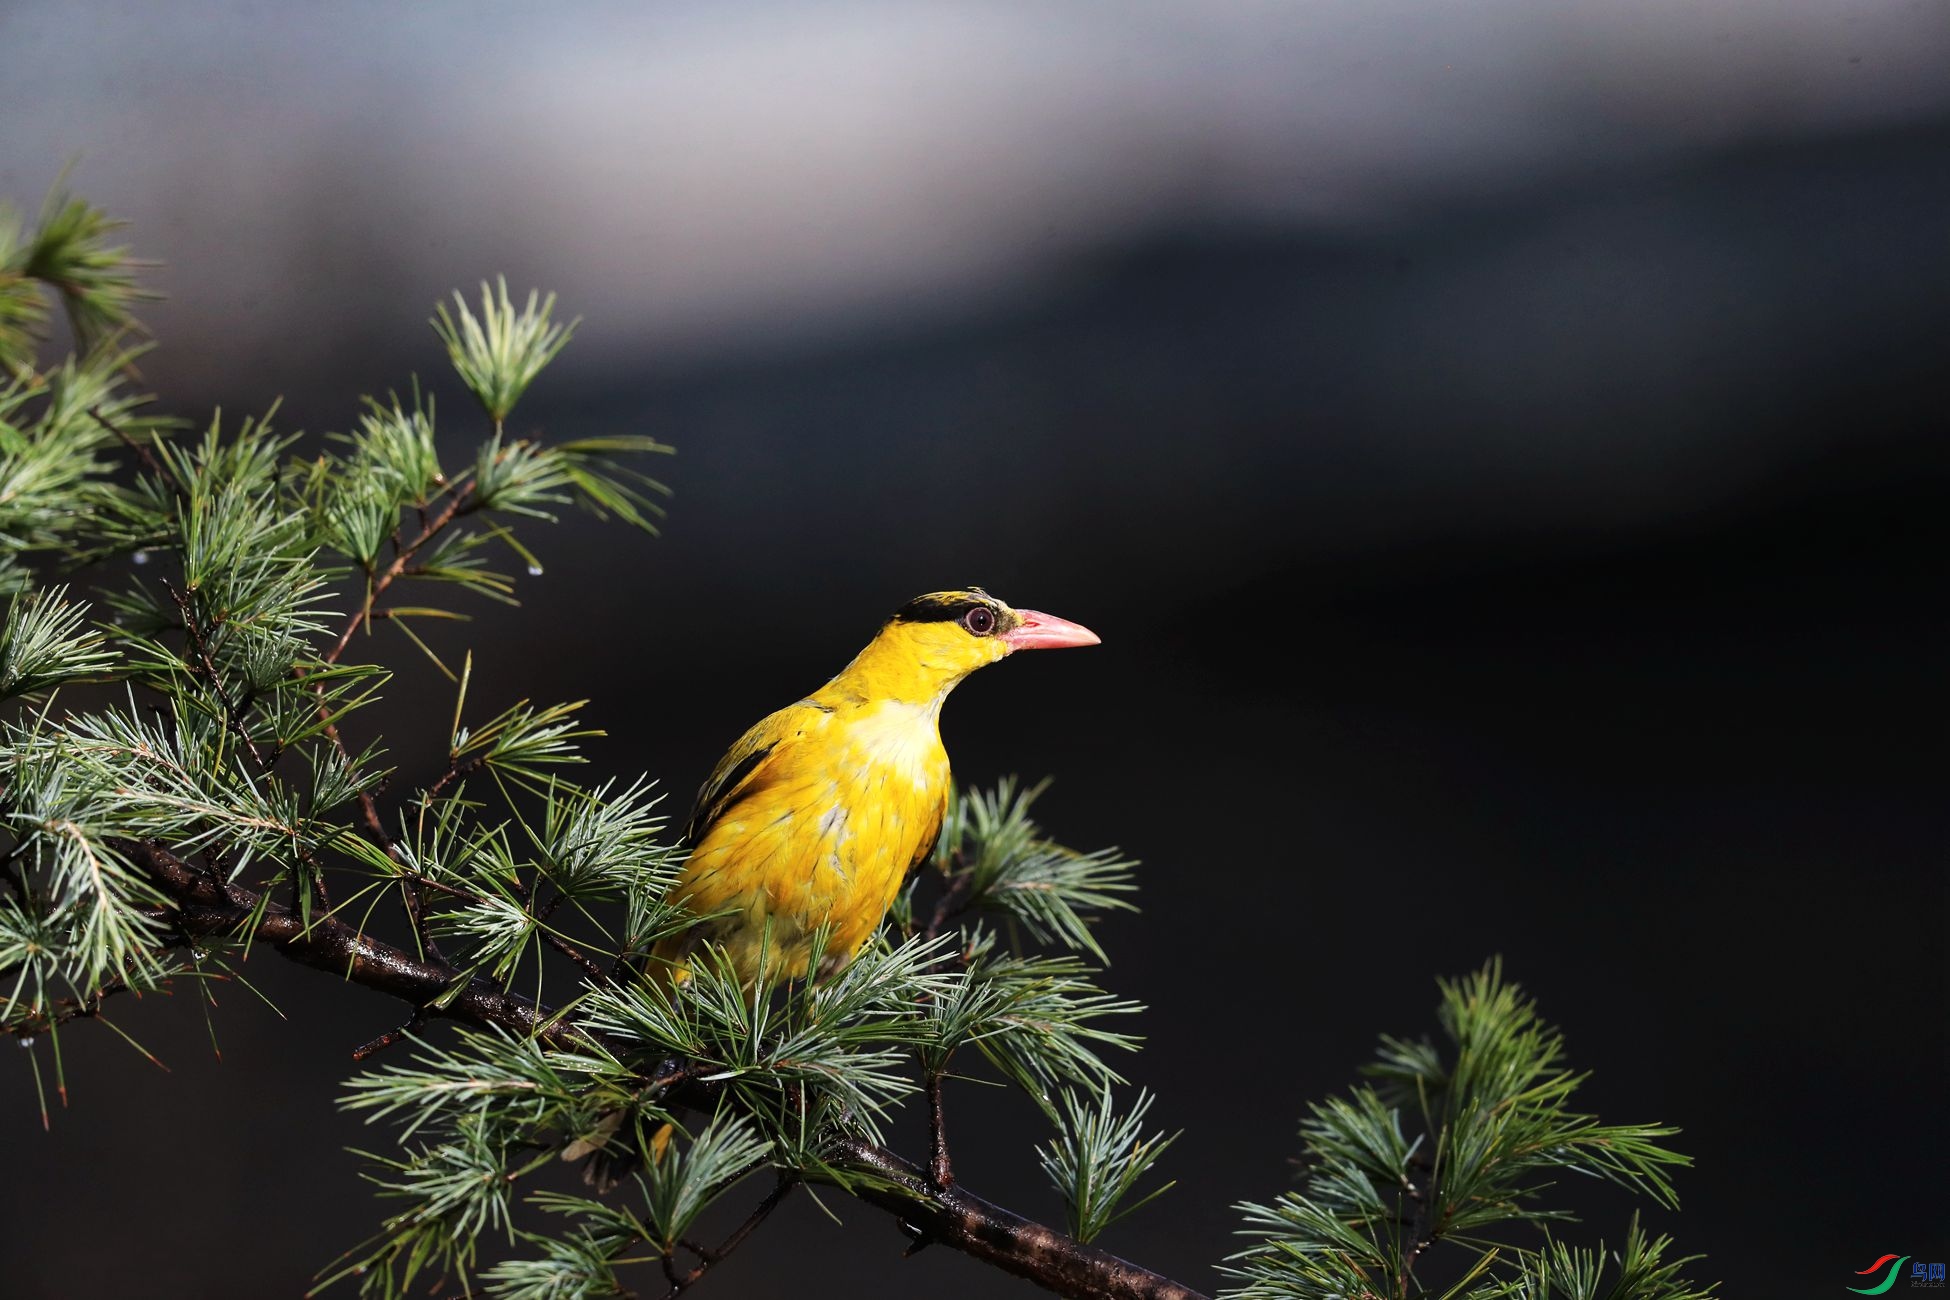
<point>898,668</point>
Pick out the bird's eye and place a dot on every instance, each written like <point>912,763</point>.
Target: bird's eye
<point>979,619</point>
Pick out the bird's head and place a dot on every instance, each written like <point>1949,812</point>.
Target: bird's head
<point>934,641</point>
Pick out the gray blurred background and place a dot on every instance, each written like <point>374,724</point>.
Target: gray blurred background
<point>1502,447</point>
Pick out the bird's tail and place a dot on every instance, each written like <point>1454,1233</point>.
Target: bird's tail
<point>668,964</point>
<point>605,1166</point>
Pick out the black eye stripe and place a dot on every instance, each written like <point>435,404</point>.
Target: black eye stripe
<point>929,609</point>
<point>936,607</point>
<point>955,607</point>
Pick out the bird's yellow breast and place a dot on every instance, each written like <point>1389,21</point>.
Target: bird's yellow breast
<point>822,832</point>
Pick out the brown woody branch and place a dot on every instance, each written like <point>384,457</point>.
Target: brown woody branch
<point>413,896</point>
<point>941,1171</point>
<point>458,505</point>
<point>956,1217</point>
<point>952,1216</point>
<point>142,451</point>
<point>709,1257</point>
<point>61,1011</point>
<point>206,907</point>
<point>1423,1227</point>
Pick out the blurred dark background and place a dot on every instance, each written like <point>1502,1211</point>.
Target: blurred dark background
<point>1502,448</point>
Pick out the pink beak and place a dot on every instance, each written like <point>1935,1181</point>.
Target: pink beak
<point>1040,631</point>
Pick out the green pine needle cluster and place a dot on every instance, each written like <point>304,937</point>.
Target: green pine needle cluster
<point>1455,1149</point>
<point>499,352</point>
<point>998,863</point>
<point>1098,1156</point>
<point>68,255</point>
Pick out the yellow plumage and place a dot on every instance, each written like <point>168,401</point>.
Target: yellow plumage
<point>818,814</point>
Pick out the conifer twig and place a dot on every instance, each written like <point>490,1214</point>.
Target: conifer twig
<point>1422,1230</point>
<point>391,1036</point>
<point>143,454</point>
<point>951,903</point>
<point>940,1173</point>
<point>414,899</point>
<point>64,1010</point>
<point>709,1258</point>
<point>205,666</point>
<point>431,529</point>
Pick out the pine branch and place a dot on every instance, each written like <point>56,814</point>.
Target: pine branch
<point>1454,1148</point>
<point>127,439</point>
<point>956,1217</point>
<point>952,903</point>
<point>1423,1224</point>
<point>941,1173</point>
<point>952,1216</point>
<point>207,907</point>
<point>63,1011</point>
<point>413,1023</point>
<point>460,503</point>
<point>412,895</point>
<point>204,666</point>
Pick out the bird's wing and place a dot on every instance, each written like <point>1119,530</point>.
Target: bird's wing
<point>929,839</point>
<point>746,767</point>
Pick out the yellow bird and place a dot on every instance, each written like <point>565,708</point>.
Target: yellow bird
<point>818,815</point>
